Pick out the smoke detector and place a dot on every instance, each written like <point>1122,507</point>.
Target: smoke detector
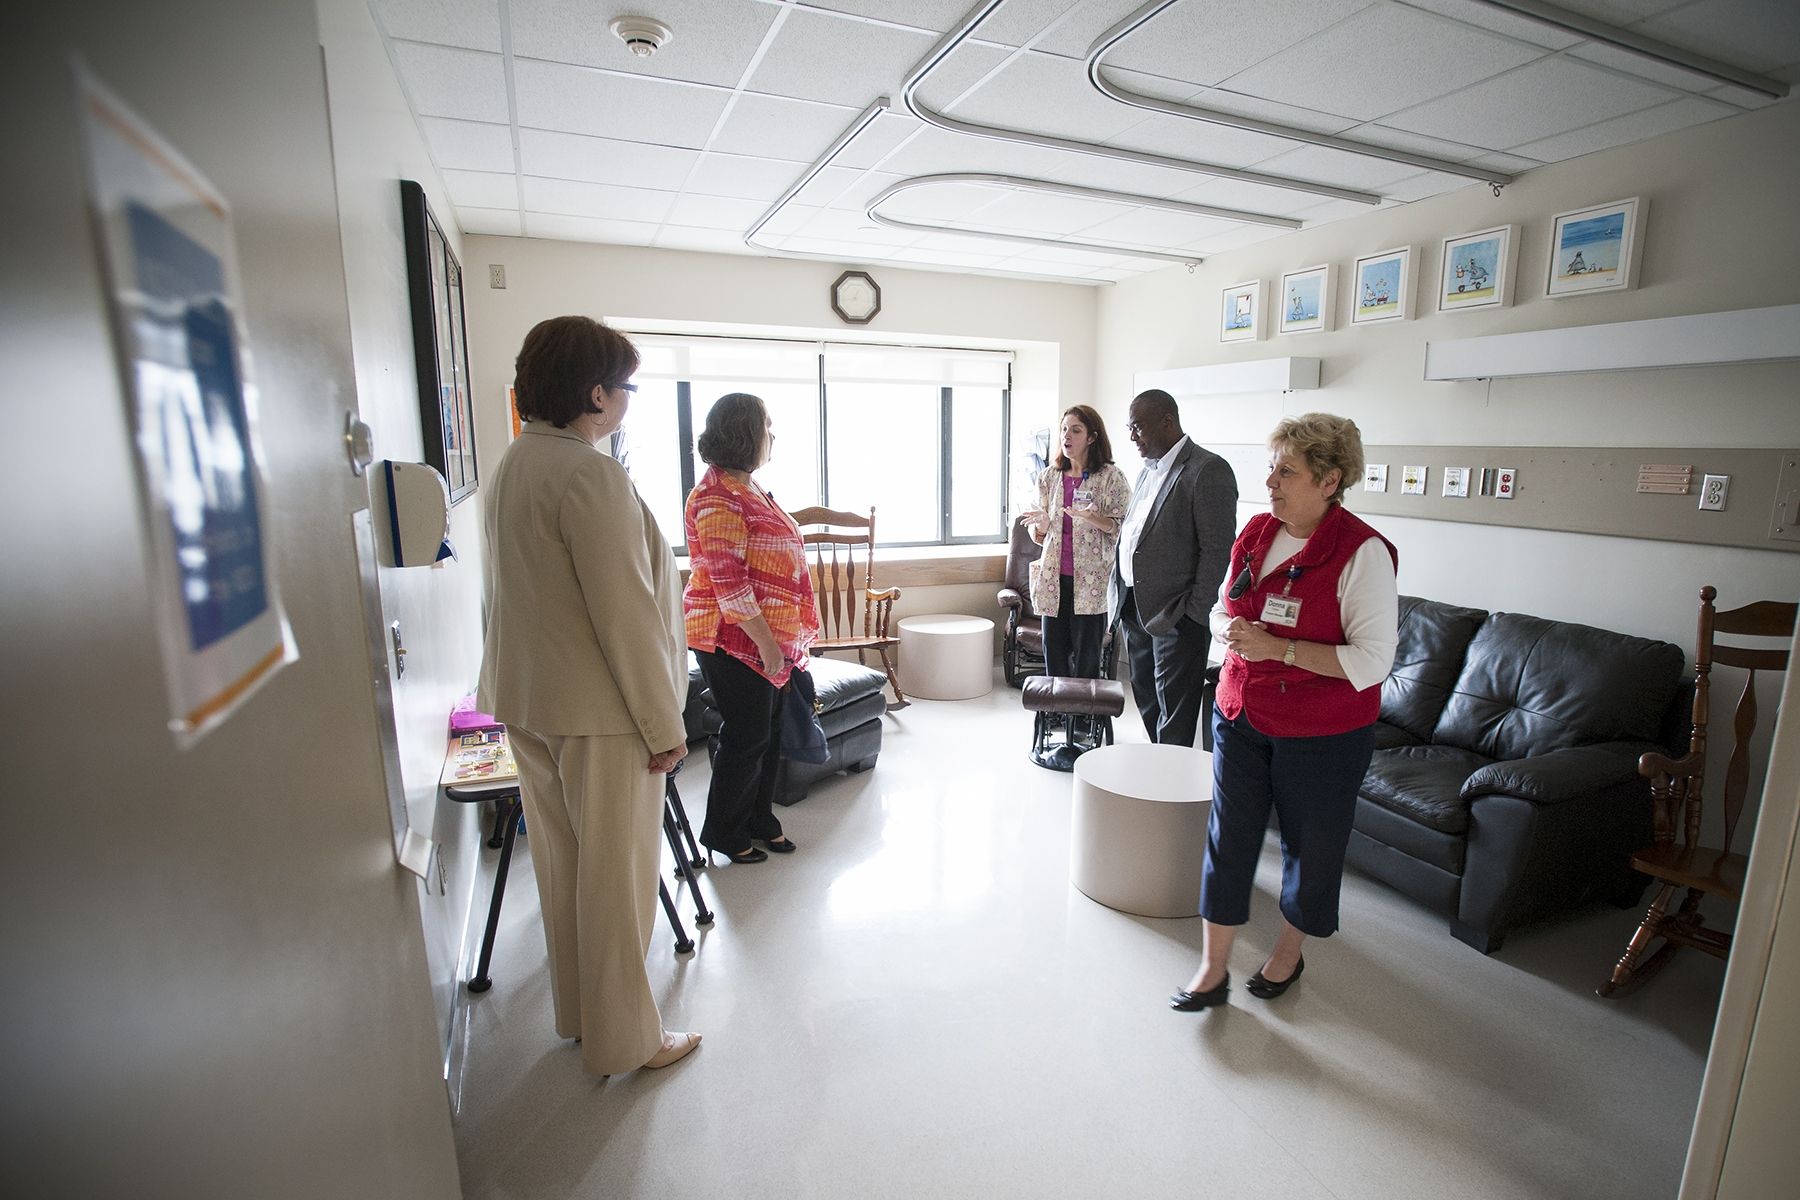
<point>641,35</point>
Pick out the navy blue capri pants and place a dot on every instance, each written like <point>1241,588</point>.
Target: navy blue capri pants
<point>1311,782</point>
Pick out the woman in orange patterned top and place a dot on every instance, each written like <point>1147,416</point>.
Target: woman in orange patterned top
<point>750,621</point>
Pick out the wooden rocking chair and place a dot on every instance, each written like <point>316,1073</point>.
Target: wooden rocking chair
<point>1677,784</point>
<point>853,613</point>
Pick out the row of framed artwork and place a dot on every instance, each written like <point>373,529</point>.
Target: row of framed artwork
<point>1593,249</point>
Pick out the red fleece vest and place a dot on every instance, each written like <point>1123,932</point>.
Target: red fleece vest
<point>1286,701</point>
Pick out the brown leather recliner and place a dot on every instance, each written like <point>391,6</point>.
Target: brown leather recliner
<point>1022,652</point>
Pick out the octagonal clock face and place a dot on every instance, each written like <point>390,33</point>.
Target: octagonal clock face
<point>855,297</point>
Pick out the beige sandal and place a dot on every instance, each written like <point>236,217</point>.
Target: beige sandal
<point>676,1046</point>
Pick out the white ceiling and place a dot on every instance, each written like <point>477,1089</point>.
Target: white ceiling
<point>544,125</point>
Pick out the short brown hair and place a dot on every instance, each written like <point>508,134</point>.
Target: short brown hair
<point>733,437</point>
<point>561,363</point>
<point>1327,443</point>
<point>1101,454</point>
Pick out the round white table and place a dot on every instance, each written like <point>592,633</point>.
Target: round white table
<point>1139,831</point>
<point>944,656</point>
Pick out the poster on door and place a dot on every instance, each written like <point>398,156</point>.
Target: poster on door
<point>166,248</point>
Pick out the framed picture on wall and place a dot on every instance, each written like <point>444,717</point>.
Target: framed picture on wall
<point>1477,269</point>
<point>440,344</point>
<point>1240,312</point>
<point>1306,300</point>
<point>1382,286</point>
<point>1596,249</point>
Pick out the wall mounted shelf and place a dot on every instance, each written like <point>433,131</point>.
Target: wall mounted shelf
<point>1703,339</point>
<point>1221,379</point>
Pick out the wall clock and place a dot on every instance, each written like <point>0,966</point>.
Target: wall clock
<point>855,298</point>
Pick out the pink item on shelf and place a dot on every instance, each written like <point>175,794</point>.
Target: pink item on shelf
<point>466,718</point>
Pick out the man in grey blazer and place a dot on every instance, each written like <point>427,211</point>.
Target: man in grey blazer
<point>1174,549</point>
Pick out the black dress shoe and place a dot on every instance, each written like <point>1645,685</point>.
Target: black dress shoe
<point>1264,989</point>
<point>746,856</point>
<point>1186,1001</point>
<point>785,846</point>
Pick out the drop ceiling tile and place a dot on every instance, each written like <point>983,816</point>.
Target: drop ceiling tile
<point>715,212</point>
<point>1257,108</point>
<point>938,15</point>
<point>940,201</point>
<point>1047,215</point>
<point>1066,256</point>
<point>1636,66</point>
<point>956,243</point>
<point>604,160</point>
<point>1143,180</point>
<point>1517,164</point>
<point>588,229</point>
<point>944,258</point>
<point>468,146</point>
<point>1251,197</point>
<point>499,222</point>
<point>935,151</point>
<point>1052,95</point>
<point>582,100</point>
<point>1332,210</point>
<point>771,127</point>
<point>718,241</point>
<point>1741,97</point>
<point>842,225</point>
<point>850,253</point>
<point>966,67</point>
<point>1209,43</point>
<point>888,132</point>
<point>846,189</point>
<point>444,82</point>
<point>471,24</point>
<point>1519,28</point>
<point>1633,127</point>
<point>482,189</point>
<point>1157,229</point>
<point>746,178</point>
<point>1401,139</point>
<point>820,57</point>
<point>789,220</point>
<point>569,198</point>
<point>1075,27</point>
<point>1112,274</point>
<point>1539,100</point>
<point>1757,35</point>
<point>1243,235</point>
<point>1425,184</point>
<point>1382,59</point>
<point>1337,167</point>
<point>713,40</point>
<point>1200,141</point>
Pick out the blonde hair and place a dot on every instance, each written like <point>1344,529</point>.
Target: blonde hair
<point>1327,443</point>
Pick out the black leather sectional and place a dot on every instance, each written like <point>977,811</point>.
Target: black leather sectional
<point>1504,786</point>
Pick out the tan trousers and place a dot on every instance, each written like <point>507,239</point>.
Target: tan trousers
<point>594,814</point>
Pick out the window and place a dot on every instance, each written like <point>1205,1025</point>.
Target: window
<point>919,434</point>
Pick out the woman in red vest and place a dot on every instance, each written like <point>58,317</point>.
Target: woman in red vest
<point>1308,614</point>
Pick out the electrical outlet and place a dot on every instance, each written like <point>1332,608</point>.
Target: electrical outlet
<point>497,275</point>
<point>1713,490</point>
<point>1505,480</point>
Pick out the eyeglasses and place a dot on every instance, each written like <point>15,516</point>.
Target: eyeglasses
<point>627,388</point>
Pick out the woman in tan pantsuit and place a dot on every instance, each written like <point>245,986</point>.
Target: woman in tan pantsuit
<point>586,663</point>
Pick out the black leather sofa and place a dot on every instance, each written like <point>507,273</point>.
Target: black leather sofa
<point>853,703</point>
<point>1504,785</point>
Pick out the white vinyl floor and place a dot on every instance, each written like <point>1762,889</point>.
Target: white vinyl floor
<point>917,1004</point>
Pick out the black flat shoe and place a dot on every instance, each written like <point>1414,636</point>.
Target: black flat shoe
<point>746,857</point>
<point>786,845</point>
<point>1264,989</point>
<point>1186,1001</point>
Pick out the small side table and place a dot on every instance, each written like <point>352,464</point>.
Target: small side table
<point>944,656</point>
<point>1138,841</point>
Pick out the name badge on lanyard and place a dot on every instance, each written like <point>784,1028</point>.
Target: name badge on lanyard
<point>1281,610</point>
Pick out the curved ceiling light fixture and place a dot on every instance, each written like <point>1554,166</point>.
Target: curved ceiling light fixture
<point>1014,183</point>
<point>1112,91</point>
<point>956,36</point>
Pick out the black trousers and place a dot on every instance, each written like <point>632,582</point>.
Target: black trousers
<point>741,802</point>
<point>1168,673</point>
<point>1072,641</point>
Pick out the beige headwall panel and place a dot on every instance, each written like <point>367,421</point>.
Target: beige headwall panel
<point>1719,235</point>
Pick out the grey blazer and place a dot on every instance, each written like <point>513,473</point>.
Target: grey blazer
<point>1185,549</point>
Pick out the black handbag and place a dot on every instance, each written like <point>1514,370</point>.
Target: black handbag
<point>802,737</point>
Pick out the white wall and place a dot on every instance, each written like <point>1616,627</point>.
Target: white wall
<point>375,144</point>
<point>1720,234</point>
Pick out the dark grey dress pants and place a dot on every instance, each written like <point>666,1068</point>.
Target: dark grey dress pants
<point>1168,674</point>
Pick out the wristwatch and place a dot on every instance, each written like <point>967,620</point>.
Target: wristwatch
<point>1288,658</point>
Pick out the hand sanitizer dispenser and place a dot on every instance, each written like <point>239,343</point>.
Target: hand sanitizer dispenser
<point>417,530</point>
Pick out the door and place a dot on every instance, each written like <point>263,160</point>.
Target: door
<point>214,977</point>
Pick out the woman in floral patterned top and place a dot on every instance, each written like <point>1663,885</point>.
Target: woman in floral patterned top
<point>750,618</point>
<point>1081,506</point>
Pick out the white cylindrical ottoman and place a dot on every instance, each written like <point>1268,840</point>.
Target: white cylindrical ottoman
<point>1138,837</point>
<point>946,657</point>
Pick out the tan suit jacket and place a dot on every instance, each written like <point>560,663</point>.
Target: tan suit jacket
<point>584,633</point>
